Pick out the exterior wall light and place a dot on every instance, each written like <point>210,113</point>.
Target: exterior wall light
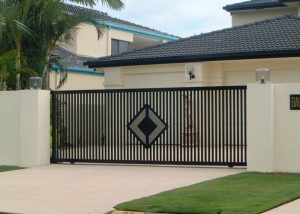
<point>191,72</point>
<point>35,83</point>
<point>263,75</point>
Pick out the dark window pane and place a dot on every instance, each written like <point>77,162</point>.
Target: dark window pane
<point>114,47</point>
<point>118,46</point>
<point>123,47</point>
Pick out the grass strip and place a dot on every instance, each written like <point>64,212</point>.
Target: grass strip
<point>247,193</point>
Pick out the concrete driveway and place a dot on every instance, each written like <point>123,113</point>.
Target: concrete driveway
<point>92,189</point>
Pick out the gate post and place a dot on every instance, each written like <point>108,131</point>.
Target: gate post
<point>53,122</point>
<point>260,127</point>
<point>34,133</point>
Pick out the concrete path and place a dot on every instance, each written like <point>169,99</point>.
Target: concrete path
<point>290,208</point>
<point>89,189</point>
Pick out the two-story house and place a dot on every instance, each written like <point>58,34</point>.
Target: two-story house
<point>258,10</point>
<point>265,35</point>
<point>118,37</point>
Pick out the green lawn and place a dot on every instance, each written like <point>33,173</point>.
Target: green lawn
<point>243,193</point>
<point>9,168</point>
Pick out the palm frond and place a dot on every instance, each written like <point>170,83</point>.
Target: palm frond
<point>113,4</point>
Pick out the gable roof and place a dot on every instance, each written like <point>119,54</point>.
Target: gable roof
<point>104,17</point>
<point>269,38</point>
<point>257,4</point>
<point>278,37</point>
<point>71,59</point>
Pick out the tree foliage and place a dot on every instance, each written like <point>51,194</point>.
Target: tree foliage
<point>31,29</point>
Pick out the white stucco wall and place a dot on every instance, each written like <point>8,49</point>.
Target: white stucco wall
<point>234,72</point>
<point>286,134</point>
<point>87,42</point>
<point>250,16</point>
<point>272,128</point>
<point>25,128</point>
<point>78,81</point>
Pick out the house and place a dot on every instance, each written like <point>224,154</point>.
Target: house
<point>265,34</point>
<point>257,10</point>
<point>119,36</point>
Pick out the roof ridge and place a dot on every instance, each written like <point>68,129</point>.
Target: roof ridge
<point>255,4</point>
<point>85,8</point>
<point>205,34</point>
<point>132,24</point>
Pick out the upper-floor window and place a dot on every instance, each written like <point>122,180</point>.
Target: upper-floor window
<point>119,46</point>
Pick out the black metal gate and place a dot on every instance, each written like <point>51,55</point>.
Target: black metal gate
<point>181,126</point>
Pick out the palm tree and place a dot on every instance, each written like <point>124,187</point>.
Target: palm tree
<point>7,63</point>
<point>34,27</point>
<point>13,16</point>
<point>114,4</point>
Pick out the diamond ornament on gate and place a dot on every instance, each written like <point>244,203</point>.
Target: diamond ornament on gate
<point>147,126</point>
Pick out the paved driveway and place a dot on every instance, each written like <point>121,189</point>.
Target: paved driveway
<point>92,188</point>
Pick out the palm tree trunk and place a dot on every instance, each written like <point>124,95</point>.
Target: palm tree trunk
<point>18,67</point>
<point>45,76</point>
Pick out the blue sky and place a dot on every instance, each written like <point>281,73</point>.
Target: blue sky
<point>179,17</point>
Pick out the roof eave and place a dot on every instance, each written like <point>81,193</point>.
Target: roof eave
<point>229,8</point>
<point>196,58</point>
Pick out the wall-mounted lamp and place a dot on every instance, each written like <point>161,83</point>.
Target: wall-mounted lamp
<point>35,83</point>
<point>263,75</point>
<point>191,72</point>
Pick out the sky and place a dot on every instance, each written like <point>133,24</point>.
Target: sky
<point>178,17</point>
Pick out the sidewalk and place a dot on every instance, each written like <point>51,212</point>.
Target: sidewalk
<point>92,189</point>
<point>289,208</point>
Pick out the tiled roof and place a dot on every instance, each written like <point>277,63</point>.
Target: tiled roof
<point>71,59</point>
<point>257,4</point>
<point>276,37</point>
<point>106,18</point>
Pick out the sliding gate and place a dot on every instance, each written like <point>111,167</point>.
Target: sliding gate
<point>189,126</point>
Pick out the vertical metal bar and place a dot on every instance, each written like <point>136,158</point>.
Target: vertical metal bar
<point>118,130</point>
<point>92,120</point>
<point>201,130</point>
<point>110,125</point>
<point>158,143</point>
<point>211,127</point>
<point>209,124</point>
<point>89,121</point>
<point>121,110</point>
<point>223,125</point>
<point>130,116</point>
<point>102,121</point>
<point>93,126</point>
<point>106,142</point>
<point>219,122</point>
<point>234,126</point>
<point>216,126</point>
<point>245,124</point>
<point>64,127</point>
<point>114,130</point>
<point>238,143</point>
<point>58,134</point>
<point>98,128</point>
<point>188,126</point>
<point>77,133</point>
<point>53,109</point>
<point>198,109</point>
<point>174,127</point>
<point>204,128</point>
<point>195,127</point>
<point>168,122</point>
<point>70,126</point>
<point>230,125</point>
